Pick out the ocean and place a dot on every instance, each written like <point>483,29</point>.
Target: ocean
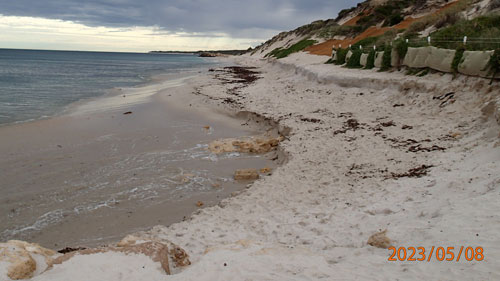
<point>37,84</point>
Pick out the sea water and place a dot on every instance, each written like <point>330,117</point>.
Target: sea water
<point>37,84</point>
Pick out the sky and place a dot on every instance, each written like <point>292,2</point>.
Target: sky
<point>146,25</point>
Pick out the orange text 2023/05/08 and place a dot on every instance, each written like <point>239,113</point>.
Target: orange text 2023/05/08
<point>428,254</point>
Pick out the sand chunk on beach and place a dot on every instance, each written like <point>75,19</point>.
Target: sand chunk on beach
<point>256,145</point>
<point>158,252</point>
<point>380,240</point>
<point>246,174</point>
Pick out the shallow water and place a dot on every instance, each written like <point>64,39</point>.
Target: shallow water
<point>37,84</point>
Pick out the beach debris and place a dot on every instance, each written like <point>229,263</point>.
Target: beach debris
<point>257,145</point>
<point>380,240</point>
<point>179,257</point>
<point>350,124</point>
<point>345,115</point>
<point>407,127</point>
<point>417,148</point>
<point>127,113</point>
<point>69,250</point>
<point>388,124</point>
<point>24,260</point>
<point>246,174</point>
<point>158,252</point>
<point>310,120</point>
<point>199,204</point>
<point>398,105</point>
<point>446,99</point>
<point>207,127</point>
<point>242,74</point>
<point>265,170</point>
<point>417,172</point>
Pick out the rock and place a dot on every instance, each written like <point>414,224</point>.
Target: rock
<point>199,204</point>
<point>127,113</point>
<point>207,55</point>
<point>158,252</point>
<point>24,260</point>
<point>246,174</point>
<point>380,240</point>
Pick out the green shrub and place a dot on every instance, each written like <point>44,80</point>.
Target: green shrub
<point>386,58</point>
<point>345,12</point>
<point>297,47</point>
<point>401,48</point>
<point>341,54</point>
<point>370,62</point>
<point>354,60</point>
<point>330,31</point>
<point>481,27</point>
<point>394,19</point>
<point>446,17</point>
<point>457,59</point>
<point>494,64</point>
<point>423,73</point>
<point>367,42</point>
<point>274,52</point>
<point>413,71</point>
<point>387,37</point>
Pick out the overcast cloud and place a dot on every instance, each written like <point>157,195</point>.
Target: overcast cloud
<point>238,19</point>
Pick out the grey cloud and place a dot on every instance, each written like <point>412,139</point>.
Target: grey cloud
<point>241,19</point>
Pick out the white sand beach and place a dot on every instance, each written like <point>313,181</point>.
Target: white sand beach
<point>365,152</point>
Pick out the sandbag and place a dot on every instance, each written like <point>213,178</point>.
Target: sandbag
<point>348,56</point>
<point>440,59</point>
<point>363,60</point>
<point>378,59</point>
<point>417,57</point>
<point>475,63</point>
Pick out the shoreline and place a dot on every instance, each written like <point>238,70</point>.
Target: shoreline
<point>98,129</point>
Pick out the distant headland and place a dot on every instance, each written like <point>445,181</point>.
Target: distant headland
<point>205,53</point>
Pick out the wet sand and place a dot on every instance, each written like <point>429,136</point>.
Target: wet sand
<point>95,174</point>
